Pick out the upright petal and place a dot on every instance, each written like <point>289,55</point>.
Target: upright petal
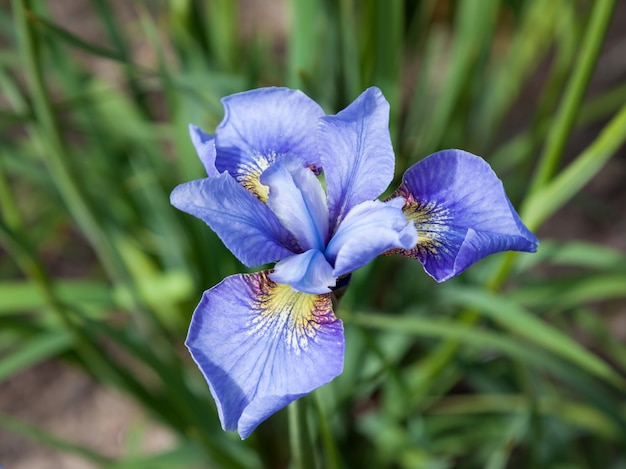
<point>205,147</point>
<point>461,213</point>
<point>246,226</point>
<point>299,201</point>
<point>261,345</point>
<point>262,125</point>
<point>356,153</point>
<point>370,229</point>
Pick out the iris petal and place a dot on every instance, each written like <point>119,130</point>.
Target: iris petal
<point>308,272</point>
<point>246,226</point>
<point>369,229</point>
<point>261,345</point>
<point>461,213</point>
<point>205,147</point>
<point>262,125</point>
<point>356,153</point>
<point>298,200</point>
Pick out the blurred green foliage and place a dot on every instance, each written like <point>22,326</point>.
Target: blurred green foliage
<point>482,372</point>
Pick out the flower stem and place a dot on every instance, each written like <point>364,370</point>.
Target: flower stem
<point>299,439</point>
<point>331,460</point>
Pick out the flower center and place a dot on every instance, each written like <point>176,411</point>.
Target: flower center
<point>299,201</point>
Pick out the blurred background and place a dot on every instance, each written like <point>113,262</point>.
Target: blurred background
<point>518,363</point>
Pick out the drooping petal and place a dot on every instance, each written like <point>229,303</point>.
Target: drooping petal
<point>299,201</point>
<point>246,226</point>
<point>262,125</point>
<point>356,153</point>
<point>461,213</point>
<point>308,272</point>
<point>205,147</point>
<point>261,345</point>
<point>370,229</point>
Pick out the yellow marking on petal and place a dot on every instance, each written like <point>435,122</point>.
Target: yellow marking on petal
<point>250,175</point>
<point>431,220</point>
<point>283,311</point>
<point>252,181</point>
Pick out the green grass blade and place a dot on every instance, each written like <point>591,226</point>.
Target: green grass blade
<point>299,436</point>
<point>581,254</point>
<point>54,32</point>
<point>423,99</point>
<point>547,200</point>
<point>512,434</point>
<point>223,34</point>
<point>573,290</point>
<point>466,334</point>
<point>184,456</point>
<point>26,296</point>
<point>576,413</point>
<point>48,132</point>
<point>34,350</point>
<point>301,57</point>
<point>331,460</point>
<point>386,27</point>
<point>9,212</point>
<point>350,58</point>
<point>574,92</point>
<point>473,29</point>
<point>516,319</point>
<point>529,43</point>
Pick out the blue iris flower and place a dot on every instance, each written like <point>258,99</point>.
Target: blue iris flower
<point>263,340</point>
